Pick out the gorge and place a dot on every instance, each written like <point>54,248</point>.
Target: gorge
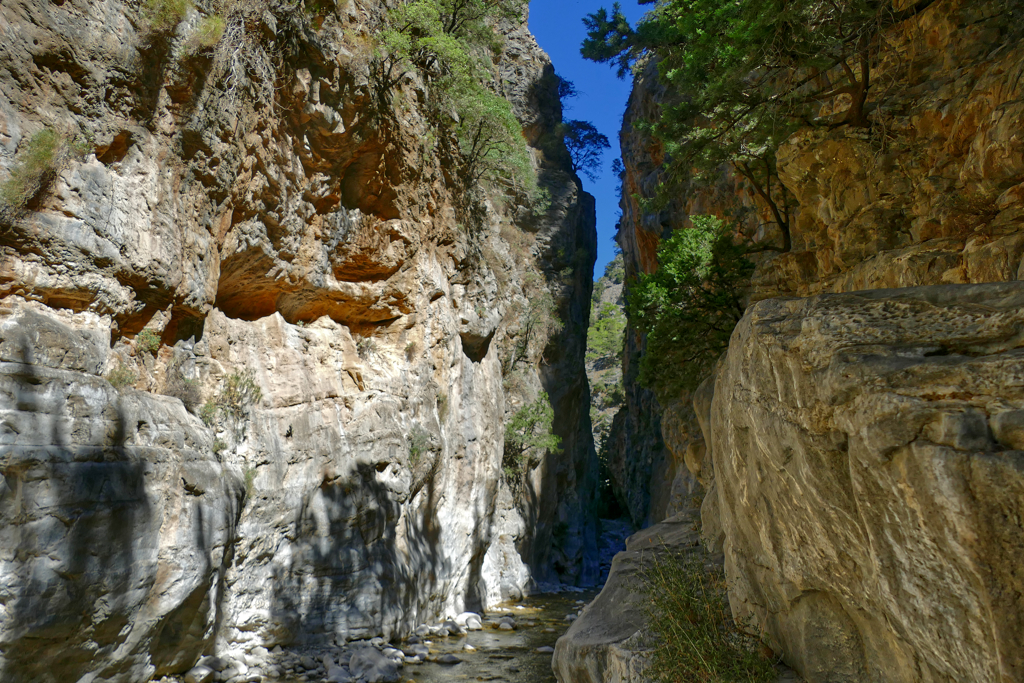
<point>294,356</point>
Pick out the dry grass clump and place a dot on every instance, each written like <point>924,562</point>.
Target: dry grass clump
<point>692,635</point>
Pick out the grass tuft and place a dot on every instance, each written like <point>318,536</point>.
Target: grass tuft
<point>692,635</point>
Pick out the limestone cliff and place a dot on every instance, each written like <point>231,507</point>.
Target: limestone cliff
<point>930,196</point>
<point>253,225</point>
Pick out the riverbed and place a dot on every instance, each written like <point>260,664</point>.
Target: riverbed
<point>492,654</point>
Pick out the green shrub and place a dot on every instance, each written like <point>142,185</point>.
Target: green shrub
<point>690,631</point>
<point>690,306</point>
<point>606,334</point>
<point>366,347</point>
<point>240,393</point>
<point>219,446</point>
<point>165,15</point>
<point>208,413</point>
<point>419,443</point>
<point>147,341</point>
<point>528,431</point>
<point>208,33</point>
<point>446,41</point>
<point>442,406</point>
<point>37,163</point>
<point>122,376</point>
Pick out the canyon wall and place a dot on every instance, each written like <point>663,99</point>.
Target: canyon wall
<point>256,226</point>
<point>862,551</point>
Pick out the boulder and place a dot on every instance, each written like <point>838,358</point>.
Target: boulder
<point>870,482</point>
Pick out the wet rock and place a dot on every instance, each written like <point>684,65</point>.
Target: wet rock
<point>448,659</point>
<point>370,665</point>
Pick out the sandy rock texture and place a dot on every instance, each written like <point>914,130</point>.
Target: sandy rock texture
<point>870,470</point>
<point>249,227</point>
<point>930,195</point>
<point>865,554</point>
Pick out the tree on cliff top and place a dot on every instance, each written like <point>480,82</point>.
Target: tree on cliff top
<point>586,147</point>
<point>449,43</point>
<point>752,71</point>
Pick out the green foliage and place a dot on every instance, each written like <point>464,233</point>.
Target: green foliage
<point>147,341</point>
<point>528,431</point>
<point>606,334</point>
<point>122,376</point>
<point>207,34</point>
<point>419,443</point>
<point>219,446</point>
<point>447,42</point>
<point>691,633</point>
<point>165,15</point>
<point>181,387</point>
<point>689,307</point>
<point>208,413</point>
<point>536,322</point>
<point>586,147</point>
<point>37,164</point>
<point>366,347</point>
<point>615,270</point>
<point>442,406</point>
<point>240,392</point>
<point>752,72</point>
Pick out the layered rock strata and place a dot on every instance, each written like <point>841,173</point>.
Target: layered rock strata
<point>929,195</point>
<point>869,459</point>
<point>253,227</point>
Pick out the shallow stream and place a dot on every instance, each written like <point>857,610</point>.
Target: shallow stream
<point>498,655</point>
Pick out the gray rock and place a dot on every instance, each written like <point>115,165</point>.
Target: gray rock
<point>448,659</point>
<point>370,665</point>
<point>200,674</point>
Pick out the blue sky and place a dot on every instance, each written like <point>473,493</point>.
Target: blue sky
<point>558,26</point>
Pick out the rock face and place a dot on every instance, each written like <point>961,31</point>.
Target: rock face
<point>260,235</point>
<point>869,455</point>
<point>118,520</point>
<point>603,644</point>
<point>937,201</point>
<point>929,196</point>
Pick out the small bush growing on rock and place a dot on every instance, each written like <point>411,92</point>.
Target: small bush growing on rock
<point>219,446</point>
<point>411,349</point>
<point>691,634</point>
<point>207,34</point>
<point>37,164</point>
<point>147,341</point>
<point>208,413</point>
<point>442,405</point>
<point>419,443</point>
<point>122,376</point>
<point>240,393</point>
<point>366,347</point>
<point>528,430</point>
<point>185,389</point>
<point>165,15</point>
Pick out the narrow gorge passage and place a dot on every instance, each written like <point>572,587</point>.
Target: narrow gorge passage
<point>339,345</point>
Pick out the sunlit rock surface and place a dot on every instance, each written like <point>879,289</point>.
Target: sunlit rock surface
<point>283,230</point>
<point>869,464</point>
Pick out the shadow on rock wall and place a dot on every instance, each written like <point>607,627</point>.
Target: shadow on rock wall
<point>69,515</point>
<point>357,565</point>
<point>107,563</point>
